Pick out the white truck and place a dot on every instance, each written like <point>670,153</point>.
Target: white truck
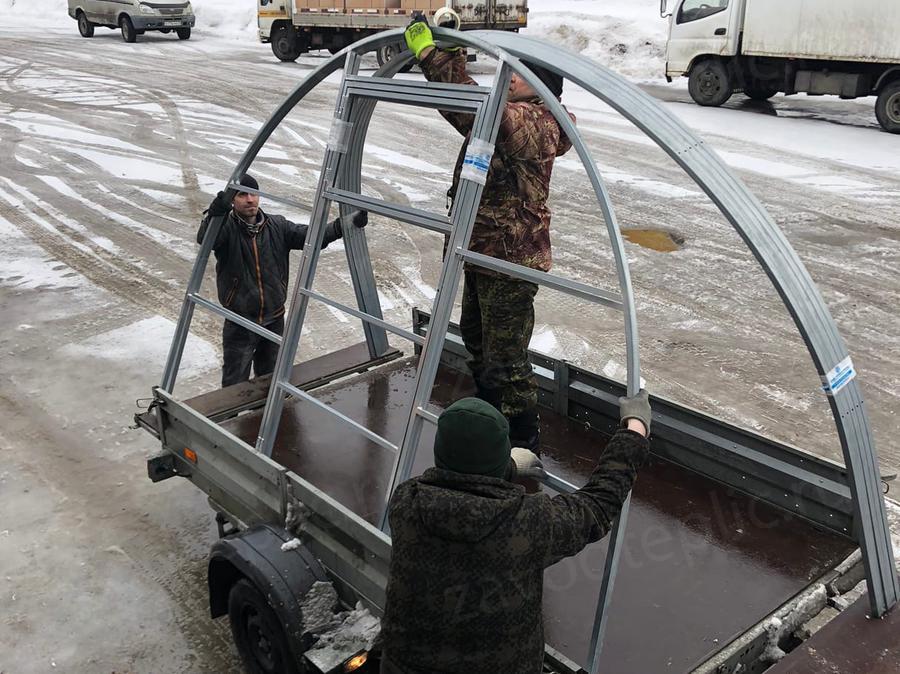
<point>294,27</point>
<point>847,48</point>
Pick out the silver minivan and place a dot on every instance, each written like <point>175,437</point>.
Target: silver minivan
<point>133,17</point>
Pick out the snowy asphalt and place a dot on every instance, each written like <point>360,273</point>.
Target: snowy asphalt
<point>111,151</point>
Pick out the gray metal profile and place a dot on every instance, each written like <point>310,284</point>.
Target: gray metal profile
<point>340,182</point>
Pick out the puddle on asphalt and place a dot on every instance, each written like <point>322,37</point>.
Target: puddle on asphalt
<point>654,239</point>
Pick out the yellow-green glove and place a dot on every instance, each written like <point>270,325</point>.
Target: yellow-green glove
<point>418,35</point>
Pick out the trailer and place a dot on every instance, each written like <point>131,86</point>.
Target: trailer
<point>762,47</point>
<point>294,27</point>
<point>730,543</point>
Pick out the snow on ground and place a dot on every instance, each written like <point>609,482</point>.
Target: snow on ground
<point>150,338</point>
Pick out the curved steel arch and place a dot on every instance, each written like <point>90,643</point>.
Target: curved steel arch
<point>740,207</point>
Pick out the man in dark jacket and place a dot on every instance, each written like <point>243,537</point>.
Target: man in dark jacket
<point>469,547</point>
<point>512,224</point>
<point>252,267</point>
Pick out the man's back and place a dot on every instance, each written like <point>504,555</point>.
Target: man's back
<point>469,553</point>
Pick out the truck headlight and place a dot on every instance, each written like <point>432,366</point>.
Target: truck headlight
<point>148,10</point>
<point>188,9</point>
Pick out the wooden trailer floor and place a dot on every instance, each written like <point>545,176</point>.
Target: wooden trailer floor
<point>701,563</point>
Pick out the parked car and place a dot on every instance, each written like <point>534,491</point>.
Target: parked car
<point>133,17</point>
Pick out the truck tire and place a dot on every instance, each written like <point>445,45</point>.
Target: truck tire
<point>127,28</point>
<point>184,33</point>
<point>85,27</point>
<point>760,91</point>
<point>887,107</point>
<point>389,51</point>
<point>710,83</point>
<point>285,44</point>
<point>257,632</point>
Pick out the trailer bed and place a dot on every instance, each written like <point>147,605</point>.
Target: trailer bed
<point>701,563</point>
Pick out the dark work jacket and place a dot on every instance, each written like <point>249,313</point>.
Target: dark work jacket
<point>468,558</point>
<point>252,271</point>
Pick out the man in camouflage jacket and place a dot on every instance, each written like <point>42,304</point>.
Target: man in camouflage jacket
<point>469,547</point>
<point>513,224</point>
<point>252,266</point>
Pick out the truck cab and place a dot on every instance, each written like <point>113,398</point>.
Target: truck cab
<point>762,47</point>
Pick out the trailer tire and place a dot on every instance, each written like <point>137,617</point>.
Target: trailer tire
<point>85,27</point>
<point>710,83</point>
<point>887,107</point>
<point>127,28</point>
<point>760,91</point>
<point>257,632</point>
<point>285,44</point>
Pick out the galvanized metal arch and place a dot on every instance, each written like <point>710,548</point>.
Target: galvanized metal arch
<point>780,262</point>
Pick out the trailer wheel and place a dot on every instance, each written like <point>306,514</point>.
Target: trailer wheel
<point>85,27</point>
<point>760,91</point>
<point>285,44</point>
<point>257,632</point>
<point>710,83</point>
<point>128,32</point>
<point>389,51</point>
<point>887,107</point>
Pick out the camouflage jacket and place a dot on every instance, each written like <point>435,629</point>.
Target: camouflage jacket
<point>468,559</point>
<point>513,220</point>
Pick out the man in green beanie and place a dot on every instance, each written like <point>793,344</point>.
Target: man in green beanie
<point>469,547</point>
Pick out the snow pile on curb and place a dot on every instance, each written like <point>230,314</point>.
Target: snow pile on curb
<point>626,35</point>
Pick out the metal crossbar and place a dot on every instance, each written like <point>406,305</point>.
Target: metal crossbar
<point>229,315</point>
<point>237,187</point>
<point>412,216</point>
<point>287,387</point>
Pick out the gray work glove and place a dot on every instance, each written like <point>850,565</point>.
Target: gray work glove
<point>636,407</point>
<point>527,464</point>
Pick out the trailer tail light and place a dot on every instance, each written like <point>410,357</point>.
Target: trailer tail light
<point>190,455</point>
<point>357,661</point>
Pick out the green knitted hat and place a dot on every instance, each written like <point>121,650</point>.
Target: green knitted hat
<point>472,437</point>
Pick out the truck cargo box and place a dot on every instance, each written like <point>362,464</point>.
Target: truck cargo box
<point>835,30</point>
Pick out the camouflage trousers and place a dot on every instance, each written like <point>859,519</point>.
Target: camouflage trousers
<point>496,325</point>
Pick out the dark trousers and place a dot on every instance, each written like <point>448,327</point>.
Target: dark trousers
<point>496,324</point>
<point>243,348</point>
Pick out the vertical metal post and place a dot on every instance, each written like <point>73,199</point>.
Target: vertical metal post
<point>465,207</point>
<point>183,327</point>
<point>309,260</point>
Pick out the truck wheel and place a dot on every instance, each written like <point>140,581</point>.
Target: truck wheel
<point>710,83</point>
<point>85,27</point>
<point>887,107</point>
<point>128,33</point>
<point>389,51</point>
<point>257,632</point>
<point>760,91</point>
<point>285,44</point>
<point>184,33</point>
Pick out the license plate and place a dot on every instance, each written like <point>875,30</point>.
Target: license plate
<point>171,23</point>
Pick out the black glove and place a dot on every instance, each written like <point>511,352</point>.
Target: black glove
<point>636,407</point>
<point>356,218</point>
<point>219,206</point>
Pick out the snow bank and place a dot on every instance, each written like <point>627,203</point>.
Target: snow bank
<point>626,35</point>
<point>224,18</point>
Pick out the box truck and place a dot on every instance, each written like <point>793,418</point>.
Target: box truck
<point>762,47</point>
<point>294,27</point>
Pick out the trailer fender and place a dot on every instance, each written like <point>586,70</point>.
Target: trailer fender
<point>887,77</point>
<point>283,577</point>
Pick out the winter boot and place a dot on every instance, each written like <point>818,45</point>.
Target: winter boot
<point>525,430</point>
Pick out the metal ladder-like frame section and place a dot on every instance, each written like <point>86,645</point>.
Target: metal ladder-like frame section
<point>339,182</point>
